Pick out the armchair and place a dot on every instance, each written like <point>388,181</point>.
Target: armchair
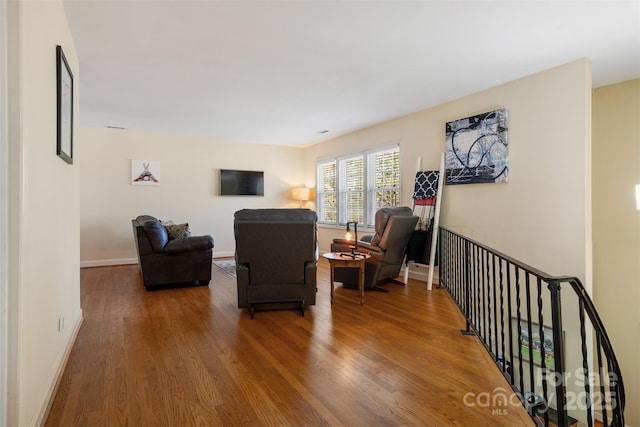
<point>167,262</point>
<point>276,257</point>
<point>387,247</point>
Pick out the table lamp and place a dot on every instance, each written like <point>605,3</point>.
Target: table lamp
<point>347,236</point>
<point>301,194</point>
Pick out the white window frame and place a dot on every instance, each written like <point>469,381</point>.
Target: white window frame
<point>320,188</point>
<point>344,191</point>
<point>369,189</point>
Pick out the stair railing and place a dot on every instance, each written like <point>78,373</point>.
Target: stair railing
<point>543,332</point>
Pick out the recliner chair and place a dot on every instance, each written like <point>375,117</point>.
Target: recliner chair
<point>276,257</point>
<point>387,247</point>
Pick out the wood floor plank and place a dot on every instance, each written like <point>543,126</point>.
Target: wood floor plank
<point>190,357</point>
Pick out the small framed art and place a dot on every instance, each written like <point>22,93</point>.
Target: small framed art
<point>145,172</point>
<point>538,344</point>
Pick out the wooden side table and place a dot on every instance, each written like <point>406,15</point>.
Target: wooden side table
<point>338,259</point>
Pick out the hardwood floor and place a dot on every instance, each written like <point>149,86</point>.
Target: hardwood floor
<point>189,356</point>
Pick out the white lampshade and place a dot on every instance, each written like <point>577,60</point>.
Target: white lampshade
<point>301,194</point>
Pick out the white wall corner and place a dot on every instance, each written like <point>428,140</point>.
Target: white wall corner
<point>46,407</point>
<point>4,214</point>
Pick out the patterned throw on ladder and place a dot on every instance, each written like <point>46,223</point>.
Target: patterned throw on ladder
<point>425,193</point>
<point>425,188</point>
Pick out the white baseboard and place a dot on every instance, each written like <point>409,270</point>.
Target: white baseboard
<point>223,254</point>
<point>46,407</point>
<point>416,271</point>
<point>127,261</point>
<point>108,262</point>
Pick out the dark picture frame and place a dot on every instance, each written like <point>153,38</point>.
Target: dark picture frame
<point>64,89</point>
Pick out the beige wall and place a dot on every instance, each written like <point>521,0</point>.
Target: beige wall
<point>616,227</point>
<point>545,201</point>
<point>188,191</point>
<point>44,283</point>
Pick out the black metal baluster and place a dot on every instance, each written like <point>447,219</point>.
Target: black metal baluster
<point>458,272</point>
<point>495,303</point>
<point>471,268</point>
<point>519,314</point>
<point>452,265</point>
<point>477,286</point>
<point>510,312</point>
<point>462,273</point>
<point>585,363</point>
<point>504,356</point>
<point>543,362</point>
<point>487,331</point>
<point>448,261</point>
<point>467,289</point>
<point>603,396</point>
<point>527,283</point>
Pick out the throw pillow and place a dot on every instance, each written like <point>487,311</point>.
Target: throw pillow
<point>178,231</point>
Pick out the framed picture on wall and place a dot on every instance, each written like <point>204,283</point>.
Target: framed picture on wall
<point>64,146</point>
<point>532,349</point>
<point>476,149</point>
<point>145,172</point>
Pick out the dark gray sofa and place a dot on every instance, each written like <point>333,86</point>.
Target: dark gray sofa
<point>276,257</point>
<point>166,262</point>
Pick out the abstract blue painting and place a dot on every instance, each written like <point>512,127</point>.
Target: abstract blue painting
<point>476,149</point>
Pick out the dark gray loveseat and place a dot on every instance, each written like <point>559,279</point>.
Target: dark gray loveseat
<point>276,257</point>
<point>170,262</point>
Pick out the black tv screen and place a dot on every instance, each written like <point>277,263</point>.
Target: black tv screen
<point>241,183</point>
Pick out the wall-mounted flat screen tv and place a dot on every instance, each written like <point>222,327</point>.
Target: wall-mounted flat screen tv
<point>241,183</point>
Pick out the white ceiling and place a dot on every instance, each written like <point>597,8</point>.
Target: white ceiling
<point>278,72</point>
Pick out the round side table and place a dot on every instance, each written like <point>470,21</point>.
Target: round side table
<point>345,259</point>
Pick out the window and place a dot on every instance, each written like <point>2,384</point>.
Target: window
<point>351,189</point>
<point>354,187</point>
<point>326,191</point>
